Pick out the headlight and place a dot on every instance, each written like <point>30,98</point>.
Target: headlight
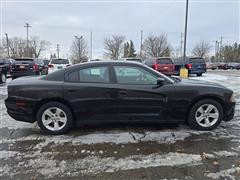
<point>232,99</point>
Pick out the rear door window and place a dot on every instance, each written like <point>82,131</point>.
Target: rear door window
<point>94,74</point>
<point>60,61</point>
<point>164,61</point>
<point>196,60</point>
<point>90,75</point>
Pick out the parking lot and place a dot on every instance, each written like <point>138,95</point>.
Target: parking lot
<point>123,151</point>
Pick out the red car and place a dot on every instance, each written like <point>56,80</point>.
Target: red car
<point>164,65</point>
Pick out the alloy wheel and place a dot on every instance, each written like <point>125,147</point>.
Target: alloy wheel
<point>54,118</point>
<point>207,115</point>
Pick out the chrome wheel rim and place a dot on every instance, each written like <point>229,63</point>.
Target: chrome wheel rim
<point>3,78</point>
<point>54,118</point>
<point>207,115</point>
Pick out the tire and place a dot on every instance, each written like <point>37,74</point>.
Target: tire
<point>3,78</point>
<point>207,123</point>
<point>199,74</point>
<point>60,122</point>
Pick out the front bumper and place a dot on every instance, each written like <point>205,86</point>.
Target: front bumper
<point>229,111</point>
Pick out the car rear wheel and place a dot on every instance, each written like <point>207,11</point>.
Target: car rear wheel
<point>3,78</point>
<point>205,115</point>
<point>54,118</point>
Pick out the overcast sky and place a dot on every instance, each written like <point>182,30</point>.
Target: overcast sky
<point>58,22</point>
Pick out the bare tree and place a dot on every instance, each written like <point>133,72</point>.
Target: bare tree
<point>113,46</point>
<point>18,47</point>
<point>79,50</point>
<point>37,46</point>
<point>202,49</point>
<point>156,46</point>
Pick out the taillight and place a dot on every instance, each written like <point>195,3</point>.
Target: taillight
<point>68,65</point>
<point>155,66</point>
<point>189,66</point>
<point>50,66</point>
<point>35,67</point>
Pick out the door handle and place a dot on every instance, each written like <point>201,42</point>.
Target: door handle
<point>71,90</point>
<point>123,93</point>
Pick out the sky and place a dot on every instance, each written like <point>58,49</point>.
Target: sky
<point>60,21</point>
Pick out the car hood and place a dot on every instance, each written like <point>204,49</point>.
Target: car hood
<point>193,82</point>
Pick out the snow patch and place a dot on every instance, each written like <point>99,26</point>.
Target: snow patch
<point>224,173</point>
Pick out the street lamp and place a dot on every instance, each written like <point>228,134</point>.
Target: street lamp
<point>6,34</point>
<point>79,47</point>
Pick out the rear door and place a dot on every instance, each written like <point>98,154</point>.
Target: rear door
<point>91,93</point>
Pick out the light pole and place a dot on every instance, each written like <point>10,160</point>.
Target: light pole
<point>79,46</point>
<point>27,26</point>
<point>185,33</point>
<point>7,44</point>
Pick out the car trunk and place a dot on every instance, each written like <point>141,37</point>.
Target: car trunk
<point>23,65</point>
<point>165,66</point>
<point>197,64</point>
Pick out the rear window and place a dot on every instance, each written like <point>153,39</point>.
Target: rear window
<point>149,61</point>
<point>24,59</point>
<point>196,60</point>
<point>60,61</point>
<point>164,61</point>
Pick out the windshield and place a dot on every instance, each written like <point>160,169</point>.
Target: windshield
<point>162,75</point>
<point>164,61</point>
<point>60,61</point>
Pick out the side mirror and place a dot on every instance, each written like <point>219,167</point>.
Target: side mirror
<point>160,81</point>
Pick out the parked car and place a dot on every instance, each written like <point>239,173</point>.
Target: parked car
<point>8,63</point>
<point>57,64</point>
<point>46,62</point>
<point>27,67</point>
<point>3,72</point>
<point>223,66</point>
<point>133,59</point>
<point>212,66</point>
<point>195,65</point>
<point>162,64</point>
<point>116,91</point>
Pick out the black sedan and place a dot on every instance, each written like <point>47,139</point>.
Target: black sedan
<point>116,91</point>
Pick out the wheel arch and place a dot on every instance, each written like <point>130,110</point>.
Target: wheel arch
<point>212,97</point>
<point>53,99</point>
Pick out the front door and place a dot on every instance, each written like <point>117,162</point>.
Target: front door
<point>138,93</point>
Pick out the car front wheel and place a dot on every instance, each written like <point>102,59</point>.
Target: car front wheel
<point>205,115</point>
<point>54,118</point>
<point>3,78</point>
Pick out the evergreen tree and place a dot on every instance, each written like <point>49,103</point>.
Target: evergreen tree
<point>131,50</point>
<point>125,50</point>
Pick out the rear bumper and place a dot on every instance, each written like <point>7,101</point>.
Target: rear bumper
<point>24,114</point>
<point>197,71</point>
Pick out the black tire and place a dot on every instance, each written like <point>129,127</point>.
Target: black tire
<point>199,74</point>
<point>192,120</point>
<point>3,78</point>
<point>61,106</point>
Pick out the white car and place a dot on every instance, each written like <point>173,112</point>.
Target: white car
<point>57,64</point>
